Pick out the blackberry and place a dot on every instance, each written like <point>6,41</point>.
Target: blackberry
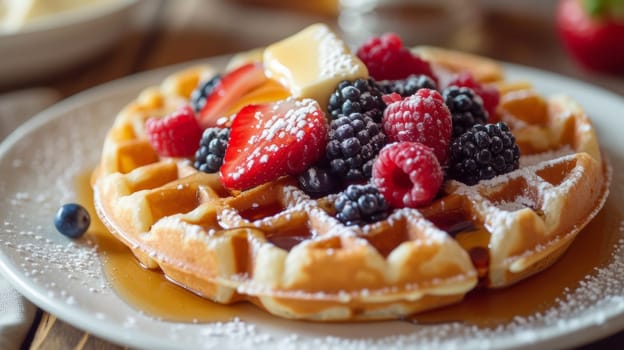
<point>408,86</point>
<point>358,96</point>
<point>466,108</point>
<point>317,182</point>
<point>360,204</point>
<point>353,143</point>
<point>212,145</point>
<point>203,90</point>
<point>483,152</point>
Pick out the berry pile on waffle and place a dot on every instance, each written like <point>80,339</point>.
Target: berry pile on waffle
<point>325,185</point>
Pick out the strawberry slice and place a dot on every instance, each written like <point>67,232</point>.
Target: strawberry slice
<point>228,91</point>
<point>272,140</point>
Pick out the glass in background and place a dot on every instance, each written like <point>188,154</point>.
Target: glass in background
<point>450,23</point>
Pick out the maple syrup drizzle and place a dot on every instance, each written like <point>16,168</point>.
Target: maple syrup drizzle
<point>288,240</point>
<point>285,238</point>
<point>472,236</point>
<point>261,211</point>
<point>453,222</point>
<point>150,292</point>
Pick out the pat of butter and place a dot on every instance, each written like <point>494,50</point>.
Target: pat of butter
<point>312,62</point>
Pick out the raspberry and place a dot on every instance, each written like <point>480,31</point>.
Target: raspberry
<point>209,156</point>
<point>483,152</point>
<point>407,174</point>
<point>360,204</point>
<point>466,108</point>
<point>176,135</point>
<point>422,117</point>
<point>353,143</point>
<point>358,96</point>
<point>489,94</point>
<point>387,59</point>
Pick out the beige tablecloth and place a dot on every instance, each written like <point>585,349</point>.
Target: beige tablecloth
<point>17,313</point>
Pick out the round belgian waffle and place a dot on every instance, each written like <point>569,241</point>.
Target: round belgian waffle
<point>278,248</point>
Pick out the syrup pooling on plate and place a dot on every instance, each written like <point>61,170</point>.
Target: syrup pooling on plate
<point>268,242</point>
<point>150,292</point>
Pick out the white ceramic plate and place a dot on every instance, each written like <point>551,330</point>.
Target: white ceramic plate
<point>62,40</point>
<point>38,164</point>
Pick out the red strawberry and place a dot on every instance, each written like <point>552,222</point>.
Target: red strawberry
<point>272,140</point>
<point>176,135</point>
<point>422,117</point>
<point>387,59</point>
<point>489,94</point>
<point>593,32</point>
<point>225,94</point>
<point>407,174</point>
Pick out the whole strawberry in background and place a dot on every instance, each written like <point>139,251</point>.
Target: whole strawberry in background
<point>592,31</point>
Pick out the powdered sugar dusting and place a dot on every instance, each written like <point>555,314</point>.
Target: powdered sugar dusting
<point>76,261</point>
<point>274,130</point>
<point>520,202</point>
<point>338,62</point>
<point>533,159</point>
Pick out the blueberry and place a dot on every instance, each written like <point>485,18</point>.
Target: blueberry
<point>72,220</point>
<point>317,182</point>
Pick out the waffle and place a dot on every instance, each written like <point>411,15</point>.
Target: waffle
<point>285,252</point>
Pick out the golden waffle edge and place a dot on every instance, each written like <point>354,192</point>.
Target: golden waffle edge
<point>276,247</point>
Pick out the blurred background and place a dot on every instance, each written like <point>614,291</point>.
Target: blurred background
<point>52,49</point>
<point>45,45</point>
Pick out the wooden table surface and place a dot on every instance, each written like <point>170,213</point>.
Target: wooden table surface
<point>178,31</point>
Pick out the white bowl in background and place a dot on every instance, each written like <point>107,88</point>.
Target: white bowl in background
<point>62,40</point>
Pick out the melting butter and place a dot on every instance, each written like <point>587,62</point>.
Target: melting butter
<point>312,62</point>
